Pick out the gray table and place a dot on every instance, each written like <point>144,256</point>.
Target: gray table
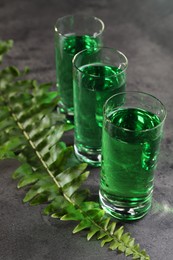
<point>143,30</point>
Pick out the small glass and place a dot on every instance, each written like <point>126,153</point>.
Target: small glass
<point>98,74</point>
<point>132,131</point>
<point>73,33</point>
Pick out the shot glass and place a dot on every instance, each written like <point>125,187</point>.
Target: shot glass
<point>73,33</point>
<point>132,132</point>
<point>98,74</point>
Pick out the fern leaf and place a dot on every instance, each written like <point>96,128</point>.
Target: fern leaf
<point>71,174</point>
<point>58,203</point>
<point>34,191</point>
<point>26,180</point>
<point>80,196</point>
<point>22,170</point>
<point>106,239</point>
<point>39,199</point>
<point>72,214</point>
<point>5,46</point>
<point>119,232</point>
<point>93,230</point>
<point>114,245</point>
<point>71,188</point>
<point>81,226</point>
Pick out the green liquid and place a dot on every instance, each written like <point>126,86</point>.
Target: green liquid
<point>129,157</point>
<point>66,48</point>
<point>93,85</point>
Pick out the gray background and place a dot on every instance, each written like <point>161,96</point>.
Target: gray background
<point>143,30</point>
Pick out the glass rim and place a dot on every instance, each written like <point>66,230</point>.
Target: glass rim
<point>119,107</point>
<point>96,34</point>
<point>105,47</point>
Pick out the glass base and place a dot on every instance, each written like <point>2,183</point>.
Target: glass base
<point>90,156</point>
<point>124,210</point>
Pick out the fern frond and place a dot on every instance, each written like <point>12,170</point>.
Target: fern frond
<point>5,46</point>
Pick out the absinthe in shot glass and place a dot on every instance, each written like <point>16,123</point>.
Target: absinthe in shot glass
<point>66,47</point>
<point>129,159</point>
<point>94,84</point>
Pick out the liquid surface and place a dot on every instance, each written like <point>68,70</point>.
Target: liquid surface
<point>94,84</point>
<point>66,48</point>
<point>129,157</point>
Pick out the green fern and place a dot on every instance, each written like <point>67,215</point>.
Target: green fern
<point>49,169</point>
<point>5,46</point>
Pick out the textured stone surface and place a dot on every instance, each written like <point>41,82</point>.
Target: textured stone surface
<point>143,31</point>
